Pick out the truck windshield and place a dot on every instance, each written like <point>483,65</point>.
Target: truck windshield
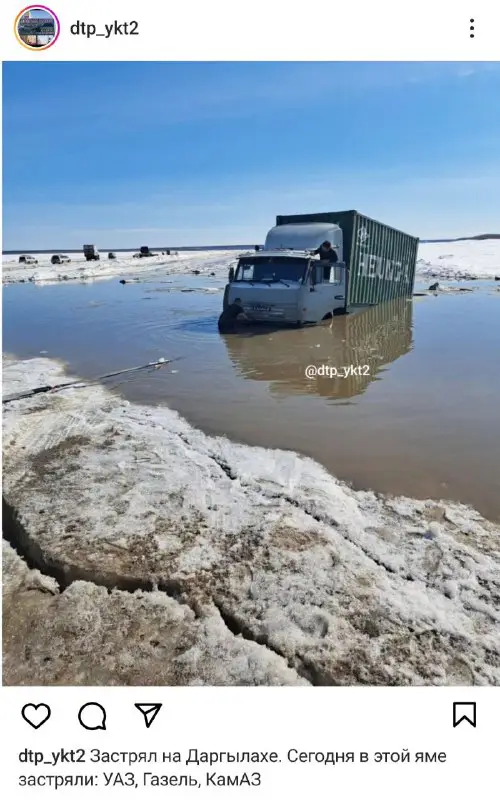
<point>273,268</point>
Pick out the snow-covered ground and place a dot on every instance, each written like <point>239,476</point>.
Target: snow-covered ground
<point>459,260</point>
<point>263,567</point>
<point>88,636</point>
<point>124,266</point>
<point>442,260</point>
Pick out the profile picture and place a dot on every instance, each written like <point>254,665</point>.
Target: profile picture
<point>36,27</point>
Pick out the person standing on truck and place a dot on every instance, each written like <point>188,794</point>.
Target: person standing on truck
<point>327,253</point>
<point>329,257</point>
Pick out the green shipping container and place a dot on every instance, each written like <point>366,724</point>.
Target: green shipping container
<point>381,260</point>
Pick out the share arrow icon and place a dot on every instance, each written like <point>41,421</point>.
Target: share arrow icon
<point>149,711</point>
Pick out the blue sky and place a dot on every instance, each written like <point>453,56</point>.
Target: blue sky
<point>123,154</point>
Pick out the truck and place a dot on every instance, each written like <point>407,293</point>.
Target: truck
<point>287,283</point>
<point>144,252</point>
<point>91,252</point>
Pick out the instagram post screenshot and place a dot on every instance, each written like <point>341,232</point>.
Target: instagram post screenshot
<point>250,400</point>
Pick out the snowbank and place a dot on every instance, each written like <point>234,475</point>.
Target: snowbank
<point>445,260</point>
<point>87,636</point>
<point>125,265</point>
<point>342,586</point>
<point>459,260</point>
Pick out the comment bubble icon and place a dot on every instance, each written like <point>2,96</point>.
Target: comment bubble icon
<point>92,717</point>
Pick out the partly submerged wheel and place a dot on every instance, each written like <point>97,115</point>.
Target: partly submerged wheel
<point>227,321</point>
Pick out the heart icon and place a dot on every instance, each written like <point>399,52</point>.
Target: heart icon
<point>34,715</point>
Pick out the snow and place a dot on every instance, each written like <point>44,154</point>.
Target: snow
<point>456,260</point>
<point>87,636</point>
<point>444,260</point>
<point>125,265</point>
<point>344,586</point>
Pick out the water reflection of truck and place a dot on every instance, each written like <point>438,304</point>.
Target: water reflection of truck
<point>287,282</point>
<point>346,355</point>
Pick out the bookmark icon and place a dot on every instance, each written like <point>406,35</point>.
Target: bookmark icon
<point>464,712</point>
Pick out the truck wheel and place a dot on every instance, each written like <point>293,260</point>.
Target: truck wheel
<point>226,324</point>
<point>339,312</point>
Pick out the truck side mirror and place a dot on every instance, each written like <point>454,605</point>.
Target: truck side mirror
<point>230,277</point>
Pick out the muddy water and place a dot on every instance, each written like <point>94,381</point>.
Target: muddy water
<point>418,412</point>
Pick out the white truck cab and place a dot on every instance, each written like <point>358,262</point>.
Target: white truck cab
<point>286,282</point>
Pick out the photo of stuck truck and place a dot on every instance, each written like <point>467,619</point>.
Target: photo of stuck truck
<point>315,266</point>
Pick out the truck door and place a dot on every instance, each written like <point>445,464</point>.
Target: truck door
<point>338,278</point>
<point>318,296</point>
<point>327,291</point>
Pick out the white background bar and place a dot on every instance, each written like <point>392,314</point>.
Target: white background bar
<point>321,720</point>
<point>266,30</point>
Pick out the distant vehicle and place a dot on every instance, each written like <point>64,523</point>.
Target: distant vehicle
<point>144,252</point>
<point>288,282</point>
<point>59,258</point>
<point>27,260</point>
<point>91,252</point>
<point>111,255</point>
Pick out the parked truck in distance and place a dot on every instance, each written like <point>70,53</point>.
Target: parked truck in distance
<point>286,282</point>
<point>144,252</point>
<point>91,252</point>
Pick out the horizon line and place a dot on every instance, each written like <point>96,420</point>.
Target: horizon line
<point>13,251</point>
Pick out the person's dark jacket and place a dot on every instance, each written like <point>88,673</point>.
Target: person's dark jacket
<point>327,254</point>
